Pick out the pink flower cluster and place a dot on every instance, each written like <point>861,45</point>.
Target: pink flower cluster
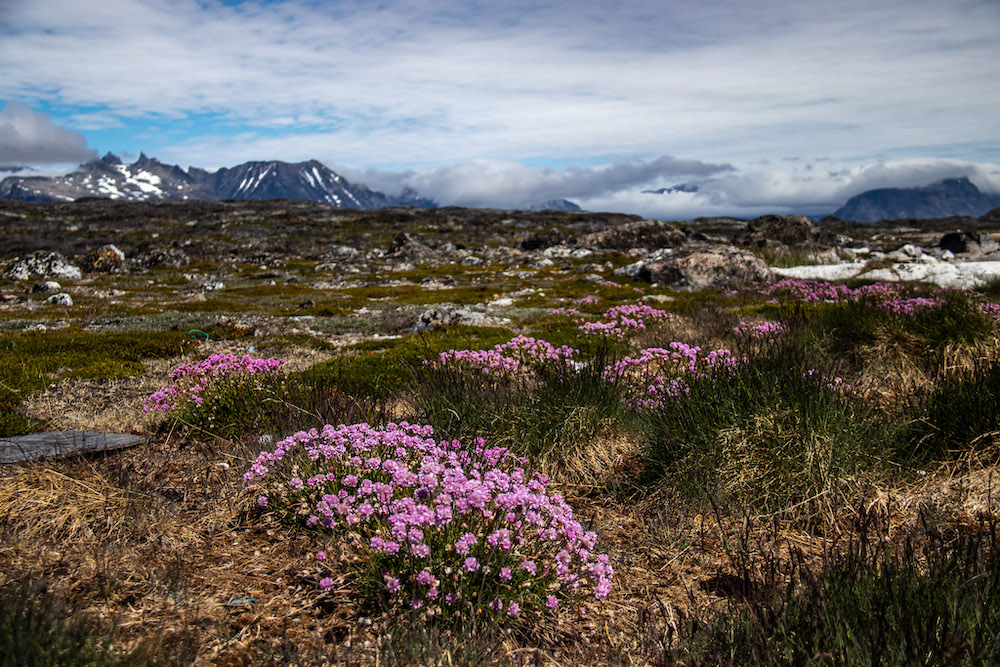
<point>907,307</point>
<point>567,312</point>
<point>991,309</point>
<point>191,380</point>
<point>760,330</point>
<point>652,377</point>
<point>819,290</point>
<point>620,320</point>
<point>506,359</point>
<point>438,523</point>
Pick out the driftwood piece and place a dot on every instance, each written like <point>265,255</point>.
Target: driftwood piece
<point>50,444</point>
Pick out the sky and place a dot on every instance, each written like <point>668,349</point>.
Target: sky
<point>768,106</point>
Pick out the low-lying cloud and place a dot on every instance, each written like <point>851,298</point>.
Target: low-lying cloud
<point>513,184</point>
<point>811,187</point>
<point>30,137</point>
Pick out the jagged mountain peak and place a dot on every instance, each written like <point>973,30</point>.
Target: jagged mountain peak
<point>149,179</point>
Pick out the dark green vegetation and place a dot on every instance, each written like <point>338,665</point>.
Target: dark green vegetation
<point>920,598</point>
<point>771,514</point>
<point>31,360</point>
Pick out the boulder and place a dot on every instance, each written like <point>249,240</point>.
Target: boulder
<point>542,240</point>
<point>700,266</point>
<point>106,259</point>
<point>46,287</point>
<point>786,230</point>
<point>446,316</point>
<point>407,246</point>
<point>968,242</point>
<point>165,256</point>
<point>60,299</point>
<point>42,265</point>
<point>640,234</point>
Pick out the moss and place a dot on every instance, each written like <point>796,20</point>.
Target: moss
<point>29,360</point>
<point>384,367</point>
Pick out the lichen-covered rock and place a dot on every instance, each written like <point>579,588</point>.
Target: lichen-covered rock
<point>42,265</point>
<point>700,266</point>
<point>162,256</point>
<point>106,259</point>
<point>445,316</point>
<point>61,299</point>
<point>648,234</point>
<point>407,246</point>
<point>786,230</point>
<point>46,287</point>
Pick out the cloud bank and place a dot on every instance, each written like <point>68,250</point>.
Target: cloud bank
<point>416,84</point>
<point>29,137</point>
<point>512,185</point>
<point>811,187</point>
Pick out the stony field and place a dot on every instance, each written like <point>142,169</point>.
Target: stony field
<point>496,437</point>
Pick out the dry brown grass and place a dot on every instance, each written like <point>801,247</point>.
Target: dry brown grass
<point>115,405</point>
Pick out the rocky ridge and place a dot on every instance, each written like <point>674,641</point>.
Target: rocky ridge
<point>148,179</point>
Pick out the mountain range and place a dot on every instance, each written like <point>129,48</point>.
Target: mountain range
<point>950,197</point>
<point>148,179</point>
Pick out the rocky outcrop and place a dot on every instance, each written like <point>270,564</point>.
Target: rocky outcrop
<point>699,266</point>
<point>162,256</point>
<point>786,230</point>
<point>42,265</point>
<point>649,234</point>
<point>409,247</point>
<point>966,242</point>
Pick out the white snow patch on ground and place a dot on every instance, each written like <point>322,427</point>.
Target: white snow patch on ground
<point>957,275</point>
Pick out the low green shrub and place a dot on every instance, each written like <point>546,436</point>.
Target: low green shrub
<point>963,408</point>
<point>765,431</point>
<point>919,599</point>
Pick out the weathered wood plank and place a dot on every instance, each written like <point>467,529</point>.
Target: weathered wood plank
<point>16,449</point>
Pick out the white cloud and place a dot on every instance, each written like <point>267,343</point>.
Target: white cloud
<point>512,184</point>
<point>30,137</point>
<point>421,84</point>
<point>812,188</point>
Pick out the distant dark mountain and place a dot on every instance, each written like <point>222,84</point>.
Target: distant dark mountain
<point>553,205</point>
<point>950,197</point>
<point>148,179</point>
<point>680,187</point>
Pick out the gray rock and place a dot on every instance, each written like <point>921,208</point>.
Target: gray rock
<point>46,287</point>
<point>43,265</point>
<point>700,266</point>
<point>168,257</point>
<point>61,299</point>
<point>407,246</point>
<point>446,316</point>
<point>647,234</point>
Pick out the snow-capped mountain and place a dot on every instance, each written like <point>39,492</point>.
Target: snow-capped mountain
<point>148,179</point>
<point>680,187</point>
